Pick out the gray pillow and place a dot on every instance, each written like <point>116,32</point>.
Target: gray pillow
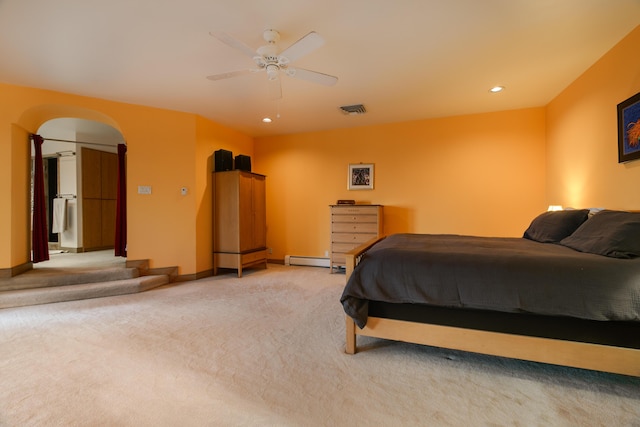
<point>611,233</point>
<point>552,227</point>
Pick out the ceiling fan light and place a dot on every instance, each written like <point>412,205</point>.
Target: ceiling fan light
<point>272,71</point>
<point>266,120</point>
<point>496,89</point>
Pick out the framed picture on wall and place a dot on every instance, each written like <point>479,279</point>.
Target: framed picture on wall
<point>360,176</point>
<point>629,129</point>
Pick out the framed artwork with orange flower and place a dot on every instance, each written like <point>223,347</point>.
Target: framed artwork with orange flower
<point>629,129</point>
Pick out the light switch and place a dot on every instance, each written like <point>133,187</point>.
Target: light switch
<point>144,189</point>
<point>183,191</point>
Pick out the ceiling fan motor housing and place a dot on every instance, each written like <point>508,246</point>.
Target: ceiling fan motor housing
<point>269,59</point>
<point>271,36</point>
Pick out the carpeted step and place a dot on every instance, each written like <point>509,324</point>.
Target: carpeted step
<point>50,294</point>
<point>58,277</point>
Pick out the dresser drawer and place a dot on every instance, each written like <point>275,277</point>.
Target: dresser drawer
<point>338,259</point>
<point>350,210</point>
<point>251,257</point>
<point>235,260</point>
<point>354,227</point>
<point>343,247</point>
<point>354,218</point>
<point>357,238</point>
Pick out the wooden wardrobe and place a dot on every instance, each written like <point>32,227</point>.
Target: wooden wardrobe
<point>239,220</point>
<point>99,192</point>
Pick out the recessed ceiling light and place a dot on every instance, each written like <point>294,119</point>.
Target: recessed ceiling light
<point>496,89</point>
<point>266,120</point>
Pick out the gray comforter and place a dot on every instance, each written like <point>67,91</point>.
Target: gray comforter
<point>493,273</point>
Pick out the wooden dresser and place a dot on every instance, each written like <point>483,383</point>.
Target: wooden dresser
<point>352,225</point>
<point>239,220</point>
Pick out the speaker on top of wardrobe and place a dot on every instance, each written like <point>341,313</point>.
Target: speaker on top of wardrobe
<point>223,160</point>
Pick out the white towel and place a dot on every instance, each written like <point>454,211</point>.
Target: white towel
<point>59,215</point>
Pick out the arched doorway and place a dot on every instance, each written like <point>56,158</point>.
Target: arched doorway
<point>81,168</point>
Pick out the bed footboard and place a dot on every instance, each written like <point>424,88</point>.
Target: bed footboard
<point>352,258</point>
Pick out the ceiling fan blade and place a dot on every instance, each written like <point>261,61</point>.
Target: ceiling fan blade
<point>275,89</point>
<point>305,45</point>
<point>228,75</point>
<point>312,76</point>
<point>234,43</point>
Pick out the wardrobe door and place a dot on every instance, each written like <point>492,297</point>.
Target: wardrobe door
<point>226,230</point>
<point>99,192</point>
<point>91,223</point>
<point>259,212</point>
<point>108,223</point>
<point>91,199</point>
<point>109,193</point>
<point>245,188</point>
<point>108,175</point>
<point>91,174</point>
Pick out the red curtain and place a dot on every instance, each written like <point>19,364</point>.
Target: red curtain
<point>121,204</point>
<point>39,233</point>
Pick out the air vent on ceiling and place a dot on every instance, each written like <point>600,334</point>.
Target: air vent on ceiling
<point>353,110</point>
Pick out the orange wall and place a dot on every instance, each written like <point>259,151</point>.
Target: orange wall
<point>582,138</point>
<point>165,149</point>
<point>486,174</point>
<point>15,216</point>
<point>480,174</point>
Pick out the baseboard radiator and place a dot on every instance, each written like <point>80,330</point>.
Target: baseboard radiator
<point>306,261</point>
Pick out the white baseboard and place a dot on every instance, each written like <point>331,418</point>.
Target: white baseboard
<point>306,261</point>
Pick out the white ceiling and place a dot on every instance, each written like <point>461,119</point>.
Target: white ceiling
<point>79,130</point>
<point>403,59</point>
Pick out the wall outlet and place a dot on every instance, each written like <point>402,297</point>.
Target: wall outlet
<point>326,253</point>
<point>270,250</point>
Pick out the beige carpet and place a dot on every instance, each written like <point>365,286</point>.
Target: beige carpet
<point>267,350</point>
<point>81,260</point>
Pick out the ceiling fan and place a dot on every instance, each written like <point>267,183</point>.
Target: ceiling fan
<point>274,62</point>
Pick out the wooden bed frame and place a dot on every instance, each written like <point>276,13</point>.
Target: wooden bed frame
<point>598,357</point>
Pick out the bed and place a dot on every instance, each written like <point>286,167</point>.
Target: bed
<point>566,293</point>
